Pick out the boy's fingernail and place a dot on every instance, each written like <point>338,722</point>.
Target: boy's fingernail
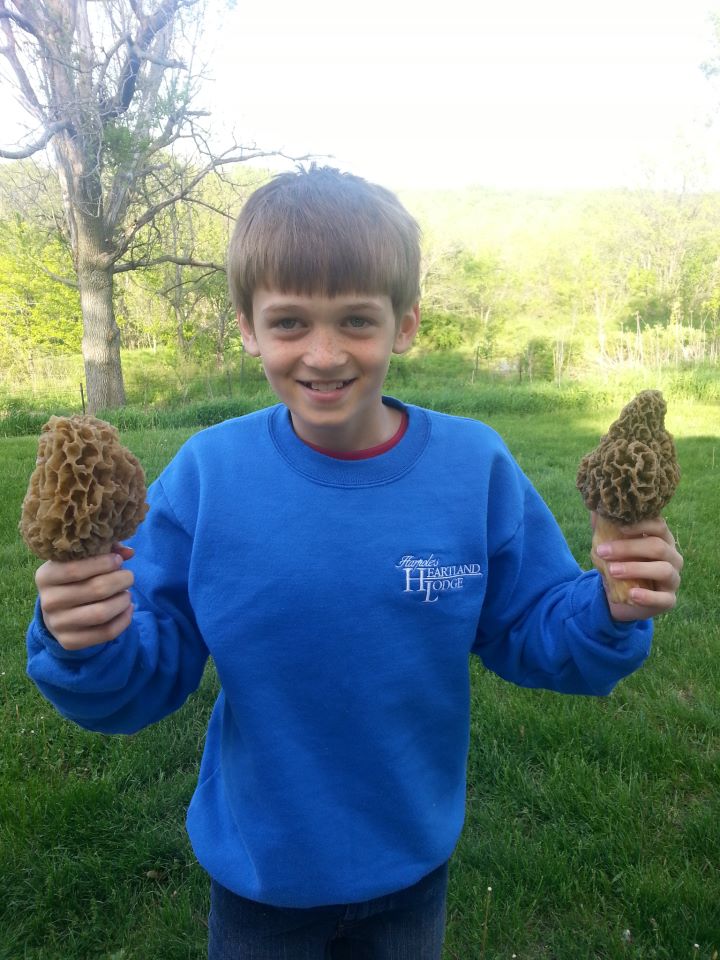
<point>616,569</point>
<point>603,550</point>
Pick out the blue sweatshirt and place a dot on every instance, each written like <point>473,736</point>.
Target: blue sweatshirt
<point>340,601</point>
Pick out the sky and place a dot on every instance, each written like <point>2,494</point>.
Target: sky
<point>545,94</point>
<point>509,94</point>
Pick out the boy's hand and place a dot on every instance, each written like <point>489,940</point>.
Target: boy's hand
<point>86,602</point>
<point>646,551</point>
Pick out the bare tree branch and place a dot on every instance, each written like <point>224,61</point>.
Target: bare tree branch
<point>191,281</point>
<point>22,153</point>
<point>127,82</point>
<point>104,67</point>
<point>161,62</point>
<point>65,281</point>
<point>152,211</point>
<point>168,258</point>
<point>11,54</point>
<point>27,25</point>
<point>196,201</point>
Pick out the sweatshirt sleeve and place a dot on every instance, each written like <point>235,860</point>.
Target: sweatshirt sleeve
<point>153,666</point>
<point>546,623</point>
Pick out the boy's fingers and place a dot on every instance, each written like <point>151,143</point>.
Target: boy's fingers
<point>657,600</point>
<point>639,548</point>
<point>649,528</point>
<point>660,572</point>
<point>645,602</point>
<point>73,571</point>
<point>88,616</point>
<point>95,590</point>
<point>78,639</point>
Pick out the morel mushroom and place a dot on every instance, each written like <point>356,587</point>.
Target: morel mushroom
<point>630,476</point>
<point>86,491</point>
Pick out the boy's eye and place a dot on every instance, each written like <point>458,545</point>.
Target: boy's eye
<point>286,323</point>
<point>358,322</point>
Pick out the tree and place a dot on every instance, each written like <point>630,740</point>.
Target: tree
<point>112,100</point>
<point>463,297</point>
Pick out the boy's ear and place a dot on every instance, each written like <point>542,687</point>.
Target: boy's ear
<point>248,335</point>
<point>406,330</point>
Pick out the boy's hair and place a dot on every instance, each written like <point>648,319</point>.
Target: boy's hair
<point>321,231</point>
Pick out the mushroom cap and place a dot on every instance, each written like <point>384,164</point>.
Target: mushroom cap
<point>86,491</point>
<point>633,472</point>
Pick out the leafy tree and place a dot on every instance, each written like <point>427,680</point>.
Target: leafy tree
<point>104,82</point>
<point>38,314</point>
<point>465,298</point>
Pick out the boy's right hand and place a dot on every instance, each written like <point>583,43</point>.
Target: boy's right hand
<point>86,602</point>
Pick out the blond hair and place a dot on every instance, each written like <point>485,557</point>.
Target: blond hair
<point>321,231</point>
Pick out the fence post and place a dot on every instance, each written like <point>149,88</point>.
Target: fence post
<point>477,363</point>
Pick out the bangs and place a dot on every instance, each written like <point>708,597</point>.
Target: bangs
<point>307,256</point>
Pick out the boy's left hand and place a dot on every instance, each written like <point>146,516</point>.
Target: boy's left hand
<point>646,551</point>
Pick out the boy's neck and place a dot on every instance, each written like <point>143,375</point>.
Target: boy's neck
<point>367,452</point>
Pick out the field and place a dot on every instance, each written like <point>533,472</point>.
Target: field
<point>592,824</point>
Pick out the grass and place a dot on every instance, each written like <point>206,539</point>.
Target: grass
<point>593,821</point>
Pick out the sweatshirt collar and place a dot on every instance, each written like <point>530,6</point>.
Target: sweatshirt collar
<point>321,468</point>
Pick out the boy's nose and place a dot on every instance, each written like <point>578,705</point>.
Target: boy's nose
<point>324,351</point>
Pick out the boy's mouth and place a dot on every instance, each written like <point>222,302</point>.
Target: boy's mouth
<point>325,386</point>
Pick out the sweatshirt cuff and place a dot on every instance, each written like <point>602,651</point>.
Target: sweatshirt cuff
<point>591,611</point>
<point>39,635</point>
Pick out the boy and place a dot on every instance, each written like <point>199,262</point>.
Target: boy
<point>339,556</point>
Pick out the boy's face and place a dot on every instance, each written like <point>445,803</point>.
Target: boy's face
<point>326,358</point>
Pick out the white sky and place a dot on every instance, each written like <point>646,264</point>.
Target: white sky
<point>551,94</point>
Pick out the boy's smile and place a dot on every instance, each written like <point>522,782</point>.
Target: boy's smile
<point>326,358</point>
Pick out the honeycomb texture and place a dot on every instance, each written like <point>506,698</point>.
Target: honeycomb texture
<point>86,491</point>
<point>633,472</point>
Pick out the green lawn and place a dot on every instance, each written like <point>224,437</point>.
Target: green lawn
<point>596,822</point>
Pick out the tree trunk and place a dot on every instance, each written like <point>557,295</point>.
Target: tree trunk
<point>101,336</point>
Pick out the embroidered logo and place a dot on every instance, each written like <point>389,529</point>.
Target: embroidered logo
<point>429,577</point>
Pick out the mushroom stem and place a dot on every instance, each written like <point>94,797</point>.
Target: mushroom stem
<point>618,591</point>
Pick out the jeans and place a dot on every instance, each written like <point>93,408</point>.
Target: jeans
<point>407,925</point>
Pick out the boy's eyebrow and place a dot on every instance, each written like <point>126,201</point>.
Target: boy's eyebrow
<point>284,307</point>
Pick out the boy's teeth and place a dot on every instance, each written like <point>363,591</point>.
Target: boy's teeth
<point>327,387</point>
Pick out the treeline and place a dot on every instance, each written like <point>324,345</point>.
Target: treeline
<point>557,284</point>
<point>539,286</point>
